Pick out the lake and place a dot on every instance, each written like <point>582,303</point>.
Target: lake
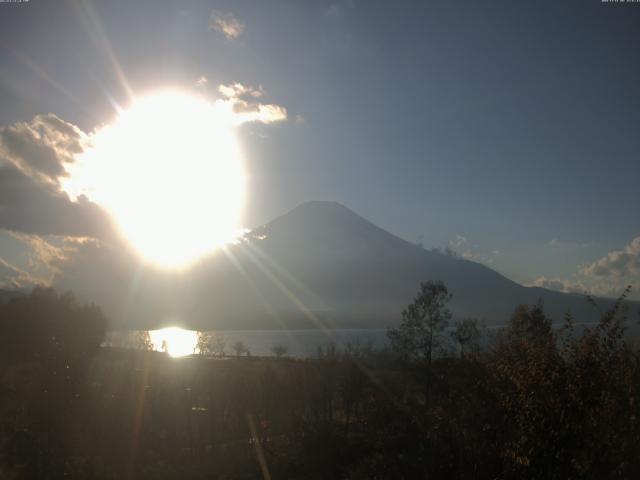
<point>299,343</point>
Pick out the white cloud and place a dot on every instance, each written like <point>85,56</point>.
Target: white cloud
<point>241,101</point>
<point>560,285</point>
<point>619,264</point>
<point>248,112</point>
<point>45,254</point>
<point>40,148</point>
<point>226,23</point>
<point>202,82</point>
<point>238,90</point>
<point>13,277</point>
<point>461,246</point>
<point>458,241</point>
<point>608,276</point>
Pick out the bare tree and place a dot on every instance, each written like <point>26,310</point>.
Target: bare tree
<point>218,344</point>
<point>466,333</point>
<point>204,344</point>
<point>141,340</point>
<point>420,333</point>
<point>279,350</point>
<point>239,347</point>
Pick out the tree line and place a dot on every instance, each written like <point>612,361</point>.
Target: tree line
<point>534,402</point>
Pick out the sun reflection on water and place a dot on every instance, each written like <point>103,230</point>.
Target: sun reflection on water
<point>177,342</point>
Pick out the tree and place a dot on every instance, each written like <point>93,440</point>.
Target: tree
<point>466,334</point>
<point>239,347</point>
<point>141,340</point>
<point>210,343</point>
<point>423,322</point>
<point>204,344</point>
<point>529,323</point>
<point>218,344</point>
<point>46,345</point>
<point>48,328</point>
<point>279,350</point>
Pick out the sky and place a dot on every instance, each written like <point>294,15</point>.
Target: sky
<point>506,131</point>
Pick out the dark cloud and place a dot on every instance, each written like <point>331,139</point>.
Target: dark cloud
<point>13,277</point>
<point>41,146</point>
<point>29,206</point>
<point>32,161</point>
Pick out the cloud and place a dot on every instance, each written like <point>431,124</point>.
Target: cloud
<point>30,206</point>
<point>202,82</point>
<point>554,242</point>
<point>458,241</point>
<point>560,285</point>
<point>226,23</point>
<point>241,101</point>
<point>460,246</point>
<point>33,156</point>
<point>248,112</point>
<point>619,264</point>
<point>42,147</point>
<point>238,90</point>
<point>46,254</point>
<point>13,277</point>
<point>607,276</point>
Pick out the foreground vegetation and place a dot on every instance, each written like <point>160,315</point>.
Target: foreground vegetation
<point>535,403</point>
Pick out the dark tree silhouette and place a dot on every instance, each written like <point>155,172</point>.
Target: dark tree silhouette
<point>423,323</point>
<point>46,342</point>
<point>279,350</point>
<point>466,333</point>
<point>529,323</point>
<point>48,328</point>
<point>239,347</point>
<point>204,345</point>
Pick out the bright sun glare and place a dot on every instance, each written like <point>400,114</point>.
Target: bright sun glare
<point>170,173</point>
<point>176,341</point>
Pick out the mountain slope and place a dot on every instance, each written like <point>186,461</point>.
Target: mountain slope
<point>321,263</point>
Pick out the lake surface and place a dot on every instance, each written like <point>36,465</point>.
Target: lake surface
<point>299,343</point>
<point>305,343</point>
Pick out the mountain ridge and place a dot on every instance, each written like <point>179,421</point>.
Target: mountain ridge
<point>356,257</point>
<point>320,265</point>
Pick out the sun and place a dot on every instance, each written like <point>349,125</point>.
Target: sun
<point>177,342</point>
<point>170,173</point>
